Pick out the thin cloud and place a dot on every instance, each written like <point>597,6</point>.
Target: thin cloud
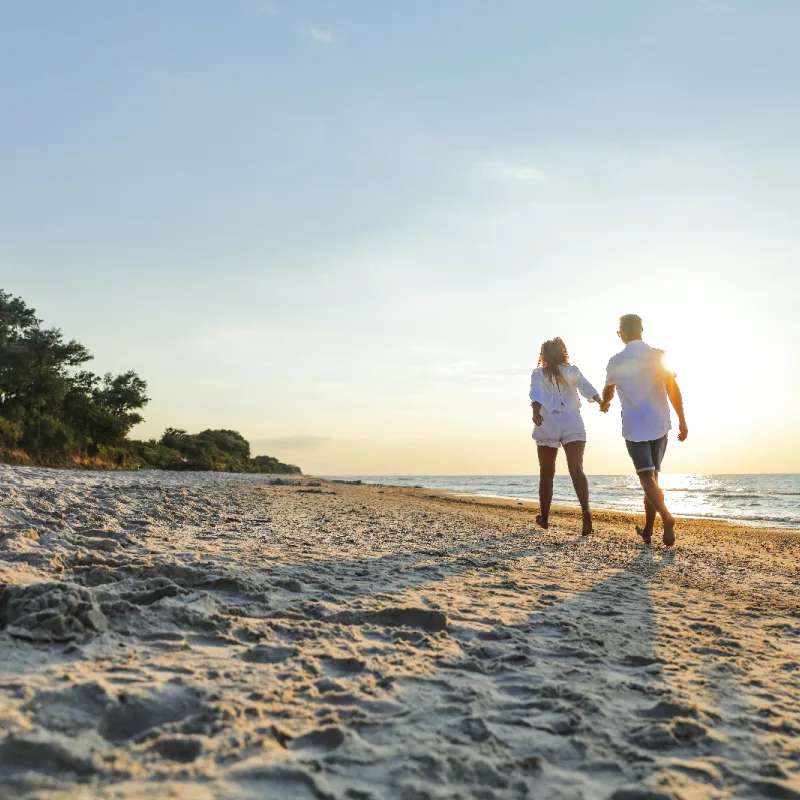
<point>294,442</point>
<point>266,7</point>
<point>322,35</point>
<point>510,171</point>
<point>468,371</point>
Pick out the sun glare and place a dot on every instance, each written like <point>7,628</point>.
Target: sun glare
<point>701,381</point>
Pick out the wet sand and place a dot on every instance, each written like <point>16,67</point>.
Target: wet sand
<point>200,636</point>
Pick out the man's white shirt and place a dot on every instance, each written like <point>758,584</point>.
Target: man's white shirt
<point>638,372</point>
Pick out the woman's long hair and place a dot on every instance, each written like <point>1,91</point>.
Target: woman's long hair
<point>552,357</point>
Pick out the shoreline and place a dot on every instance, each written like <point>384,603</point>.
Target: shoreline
<point>741,523</point>
<point>610,515</point>
<point>757,522</point>
<point>209,638</point>
<point>634,516</point>
<point>101,466</point>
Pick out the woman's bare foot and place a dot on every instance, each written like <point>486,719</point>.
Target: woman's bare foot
<point>669,531</point>
<point>588,529</point>
<point>542,522</point>
<point>645,533</point>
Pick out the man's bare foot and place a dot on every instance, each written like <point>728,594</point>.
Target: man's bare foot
<point>645,534</point>
<point>669,531</point>
<point>588,529</point>
<point>542,521</point>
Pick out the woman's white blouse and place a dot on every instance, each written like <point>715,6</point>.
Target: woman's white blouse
<point>560,396</point>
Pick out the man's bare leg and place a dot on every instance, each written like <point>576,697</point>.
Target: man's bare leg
<point>654,495</point>
<point>649,518</point>
<point>547,470</point>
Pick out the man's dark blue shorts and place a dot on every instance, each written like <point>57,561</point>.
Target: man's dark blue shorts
<point>647,456</point>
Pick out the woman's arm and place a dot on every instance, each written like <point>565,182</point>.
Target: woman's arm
<point>537,397</point>
<point>586,388</point>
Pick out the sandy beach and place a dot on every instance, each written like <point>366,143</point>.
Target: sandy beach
<point>198,636</point>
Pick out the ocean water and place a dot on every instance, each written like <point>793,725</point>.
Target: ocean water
<point>759,500</point>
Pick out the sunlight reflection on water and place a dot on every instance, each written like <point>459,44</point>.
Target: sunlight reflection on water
<point>763,500</point>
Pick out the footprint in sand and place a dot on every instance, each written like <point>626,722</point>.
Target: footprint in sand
<point>667,710</point>
<point>344,666</point>
<point>281,781</point>
<point>269,654</point>
<point>394,617</point>
<point>183,749</point>
<point>43,752</point>
<point>319,741</point>
<point>135,714</point>
<point>641,661</point>
<point>75,709</point>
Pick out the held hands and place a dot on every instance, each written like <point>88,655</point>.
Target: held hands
<point>604,406</point>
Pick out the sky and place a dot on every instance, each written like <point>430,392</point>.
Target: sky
<point>345,228</point>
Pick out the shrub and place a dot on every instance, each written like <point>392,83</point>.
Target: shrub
<point>10,433</point>
<point>156,455</point>
<point>46,434</point>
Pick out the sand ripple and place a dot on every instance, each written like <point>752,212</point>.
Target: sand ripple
<point>212,636</point>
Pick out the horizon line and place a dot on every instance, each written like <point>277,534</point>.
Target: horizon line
<point>530,475</point>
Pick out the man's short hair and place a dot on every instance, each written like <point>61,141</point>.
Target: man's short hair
<point>630,324</point>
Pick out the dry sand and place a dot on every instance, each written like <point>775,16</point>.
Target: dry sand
<point>210,636</point>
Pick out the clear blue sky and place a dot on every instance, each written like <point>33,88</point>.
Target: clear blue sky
<point>345,228</point>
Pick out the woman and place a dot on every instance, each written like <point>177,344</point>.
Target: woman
<point>554,398</point>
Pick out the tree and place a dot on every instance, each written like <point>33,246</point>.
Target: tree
<point>118,397</point>
<point>78,407</point>
<point>174,438</point>
<point>41,389</point>
<point>230,442</point>
<point>51,407</point>
<point>123,393</point>
<point>15,317</point>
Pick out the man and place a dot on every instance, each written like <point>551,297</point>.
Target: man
<point>644,384</point>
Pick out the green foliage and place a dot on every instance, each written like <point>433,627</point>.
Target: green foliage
<point>48,435</point>
<point>15,316</point>
<point>154,455</point>
<point>54,410</point>
<point>230,442</point>
<point>220,451</point>
<point>10,434</point>
<point>174,438</point>
<point>273,466</point>
<point>55,407</point>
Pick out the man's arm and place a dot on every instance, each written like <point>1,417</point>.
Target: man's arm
<point>674,394</point>
<point>608,396</point>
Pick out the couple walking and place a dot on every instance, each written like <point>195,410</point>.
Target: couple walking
<point>644,383</point>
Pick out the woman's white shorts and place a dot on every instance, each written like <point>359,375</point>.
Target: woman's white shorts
<point>559,427</point>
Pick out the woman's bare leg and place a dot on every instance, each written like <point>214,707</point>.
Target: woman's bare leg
<point>547,470</point>
<point>574,452</point>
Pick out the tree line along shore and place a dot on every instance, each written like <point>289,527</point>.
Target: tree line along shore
<point>56,412</point>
